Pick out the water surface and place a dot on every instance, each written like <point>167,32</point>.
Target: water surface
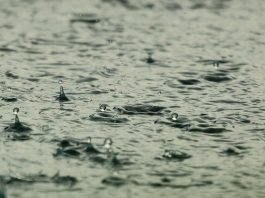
<point>145,60</point>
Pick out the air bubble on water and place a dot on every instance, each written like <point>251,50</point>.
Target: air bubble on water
<point>15,110</point>
<point>174,116</point>
<point>60,81</point>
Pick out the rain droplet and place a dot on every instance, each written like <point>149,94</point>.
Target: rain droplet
<point>107,143</point>
<point>150,59</point>
<point>17,126</point>
<point>62,97</point>
<point>15,110</point>
<point>167,154</point>
<point>89,140</point>
<point>216,64</point>
<point>174,116</point>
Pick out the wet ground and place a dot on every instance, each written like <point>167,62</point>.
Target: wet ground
<point>126,67</point>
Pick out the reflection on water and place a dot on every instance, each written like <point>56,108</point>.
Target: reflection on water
<point>155,98</point>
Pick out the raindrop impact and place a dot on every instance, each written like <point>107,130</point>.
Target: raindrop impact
<point>62,97</point>
<point>216,64</point>
<point>108,144</point>
<point>17,126</point>
<point>174,116</point>
<point>103,107</point>
<point>15,110</point>
<point>89,147</point>
<point>150,59</point>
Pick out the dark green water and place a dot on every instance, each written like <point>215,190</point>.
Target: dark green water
<point>206,63</point>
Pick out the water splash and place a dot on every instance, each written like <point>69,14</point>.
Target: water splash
<point>15,110</point>
<point>112,160</point>
<point>175,121</point>
<point>150,60</point>
<point>174,116</point>
<point>175,155</point>
<point>17,126</point>
<point>65,143</point>
<point>62,97</point>
<point>140,109</point>
<point>216,64</point>
<point>105,114</point>
<point>103,107</point>
<point>89,147</point>
<point>108,144</point>
<point>89,140</point>
<point>118,110</point>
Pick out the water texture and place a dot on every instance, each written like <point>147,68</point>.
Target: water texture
<point>125,67</point>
